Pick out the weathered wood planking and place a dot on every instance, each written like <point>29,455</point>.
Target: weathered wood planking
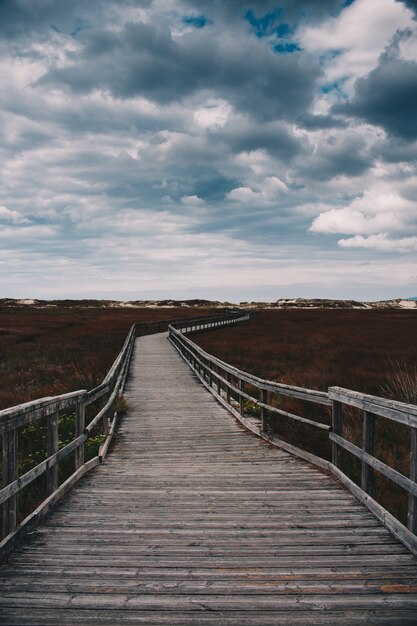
<point>192,520</point>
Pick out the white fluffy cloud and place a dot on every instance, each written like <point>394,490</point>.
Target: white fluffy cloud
<point>266,192</point>
<point>15,217</point>
<point>381,242</point>
<point>378,211</point>
<point>351,43</point>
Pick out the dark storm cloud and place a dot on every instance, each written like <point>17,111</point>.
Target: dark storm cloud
<point>232,10</point>
<point>212,186</point>
<point>320,122</point>
<point>346,156</point>
<point>387,97</point>
<point>145,60</point>
<point>395,150</point>
<point>36,18</point>
<point>246,136</point>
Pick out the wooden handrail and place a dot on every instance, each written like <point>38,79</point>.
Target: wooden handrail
<point>12,419</point>
<point>229,385</point>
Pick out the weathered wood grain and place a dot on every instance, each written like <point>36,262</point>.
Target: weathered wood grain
<point>193,520</point>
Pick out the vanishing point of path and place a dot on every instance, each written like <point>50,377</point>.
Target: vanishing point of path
<point>192,520</point>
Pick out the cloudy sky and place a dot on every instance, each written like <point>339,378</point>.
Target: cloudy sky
<point>208,148</point>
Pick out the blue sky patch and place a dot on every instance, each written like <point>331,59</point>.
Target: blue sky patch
<point>263,26</point>
<point>267,26</point>
<point>198,21</point>
<point>287,48</point>
<point>284,30</point>
<point>336,86</point>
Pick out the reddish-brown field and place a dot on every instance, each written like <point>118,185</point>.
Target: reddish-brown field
<point>320,348</point>
<point>50,351</point>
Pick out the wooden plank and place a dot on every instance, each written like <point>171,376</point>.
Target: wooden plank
<point>103,617</point>
<point>206,602</point>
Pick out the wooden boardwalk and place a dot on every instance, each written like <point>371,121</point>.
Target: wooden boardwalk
<point>192,520</point>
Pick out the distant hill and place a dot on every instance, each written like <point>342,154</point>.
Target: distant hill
<point>282,303</point>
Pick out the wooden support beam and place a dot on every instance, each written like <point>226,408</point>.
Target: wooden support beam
<point>368,438</point>
<point>264,411</point>
<point>10,474</point>
<point>241,397</point>
<point>337,429</point>
<point>52,439</point>
<point>412,499</point>
<point>106,423</point>
<point>228,378</point>
<point>79,429</point>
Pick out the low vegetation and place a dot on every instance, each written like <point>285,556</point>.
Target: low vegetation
<point>319,348</point>
<point>48,351</point>
<point>372,351</point>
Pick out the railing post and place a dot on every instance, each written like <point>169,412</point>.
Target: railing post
<point>368,437</point>
<point>336,428</point>
<point>10,474</point>
<point>52,441</point>
<point>412,499</point>
<point>264,411</point>
<point>79,429</point>
<point>241,398</point>
<point>105,424</point>
<point>218,379</point>
<point>228,378</point>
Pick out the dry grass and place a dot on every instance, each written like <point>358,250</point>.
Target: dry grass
<point>320,348</point>
<point>360,350</point>
<point>51,351</point>
<point>401,384</point>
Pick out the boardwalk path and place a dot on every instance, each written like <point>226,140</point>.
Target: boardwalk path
<point>192,520</point>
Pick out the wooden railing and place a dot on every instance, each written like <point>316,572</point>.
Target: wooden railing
<point>232,387</point>
<point>101,399</point>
